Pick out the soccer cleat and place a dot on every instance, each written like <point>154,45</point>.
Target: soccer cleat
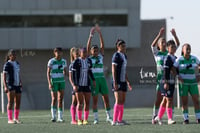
<point>120,123</point>
<point>198,121</point>
<point>53,119</point>
<point>74,122</point>
<point>186,122</point>
<point>114,123</point>
<point>18,121</point>
<point>109,120</point>
<point>96,121</point>
<point>153,120</point>
<point>60,120</point>
<point>11,122</point>
<point>158,120</point>
<point>85,122</point>
<point>80,122</point>
<point>170,122</point>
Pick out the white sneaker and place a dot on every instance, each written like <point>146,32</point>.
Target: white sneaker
<point>17,121</point>
<point>60,120</point>
<point>96,121</point>
<point>170,122</point>
<point>109,120</point>
<point>114,124</point>
<point>11,122</point>
<point>120,123</point>
<point>158,120</point>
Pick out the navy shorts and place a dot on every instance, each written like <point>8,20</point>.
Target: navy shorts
<point>84,89</point>
<point>122,86</point>
<point>17,89</point>
<point>168,93</point>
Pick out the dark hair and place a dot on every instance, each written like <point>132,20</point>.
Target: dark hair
<point>170,42</point>
<point>186,44</point>
<point>83,49</point>
<point>10,52</point>
<point>94,47</point>
<point>120,42</point>
<point>57,49</point>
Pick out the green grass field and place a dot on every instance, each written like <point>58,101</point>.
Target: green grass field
<point>139,120</point>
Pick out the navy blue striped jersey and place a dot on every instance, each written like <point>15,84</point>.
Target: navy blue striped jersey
<point>82,71</point>
<point>120,60</point>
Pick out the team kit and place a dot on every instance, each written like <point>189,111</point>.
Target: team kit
<point>86,76</point>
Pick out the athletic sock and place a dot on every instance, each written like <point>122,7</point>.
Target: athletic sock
<point>95,111</point>
<point>169,113</point>
<point>121,112</point>
<point>9,112</point>
<point>155,111</point>
<point>185,114</point>
<point>86,114</point>
<point>16,114</point>
<point>73,112</point>
<point>60,113</point>
<point>53,112</point>
<point>161,112</point>
<point>79,114</point>
<point>108,113</point>
<point>197,114</point>
<point>115,112</point>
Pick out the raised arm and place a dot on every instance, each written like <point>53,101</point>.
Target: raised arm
<point>90,39</point>
<point>175,37</point>
<point>101,39</point>
<point>160,34</point>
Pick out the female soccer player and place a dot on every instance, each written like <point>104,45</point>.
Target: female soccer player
<point>82,71</point>
<point>169,84</point>
<point>186,65</point>
<point>12,85</point>
<point>98,72</point>
<point>56,72</point>
<point>74,54</point>
<point>158,47</point>
<point>120,81</point>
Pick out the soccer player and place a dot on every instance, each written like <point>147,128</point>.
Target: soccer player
<point>12,86</point>
<point>187,64</point>
<point>74,54</point>
<point>82,71</point>
<point>96,55</point>
<point>56,72</point>
<point>158,47</point>
<point>169,84</point>
<point>120,81</point>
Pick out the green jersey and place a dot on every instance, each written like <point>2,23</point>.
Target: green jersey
<point>57,68</point>
<point>97,66</point>
<point>187,69</point>
<point>159,58</point>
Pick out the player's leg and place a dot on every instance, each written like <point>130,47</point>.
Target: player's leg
<point>122,95</point>
<point>17,104</point>
<point>95,92</point>
<point>60,94</point>
<point>73,109</point>
<point>104,91</point>
<point>195,98</point>
<point>87,96</point>
<point>184,99</point>
<point>157,102</point>
<point>54,101</point>
<point>80,101</point>
<point>10,96</point>
<point>116,107</point>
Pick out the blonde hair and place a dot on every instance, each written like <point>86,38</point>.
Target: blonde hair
<point>73,50</point>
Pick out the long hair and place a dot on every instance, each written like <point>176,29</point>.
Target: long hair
<point>72,50</point>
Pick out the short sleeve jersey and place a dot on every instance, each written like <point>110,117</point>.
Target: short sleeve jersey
<point>187,68</point>
<point>97,66</point>
<point>57,68</point>
<point>120,60</point>
<point>159,58</point>
<point>15,71</point>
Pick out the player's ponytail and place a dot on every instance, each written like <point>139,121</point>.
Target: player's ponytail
<point>71,53</point>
